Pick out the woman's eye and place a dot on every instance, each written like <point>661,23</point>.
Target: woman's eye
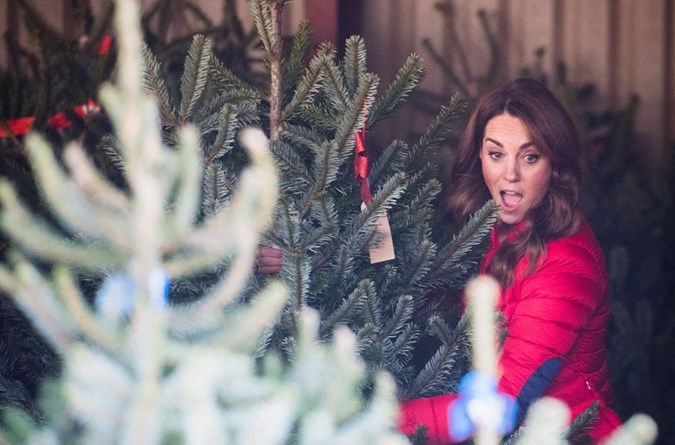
<point>494,155</point>
<point>531,158</point>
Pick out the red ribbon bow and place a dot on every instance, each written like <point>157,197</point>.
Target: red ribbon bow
<point>21,126</point>
<point>361,164</point>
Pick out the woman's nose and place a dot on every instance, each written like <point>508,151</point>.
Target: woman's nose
<point>512,171</point>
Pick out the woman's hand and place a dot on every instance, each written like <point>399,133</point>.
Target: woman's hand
<point>268,260</point>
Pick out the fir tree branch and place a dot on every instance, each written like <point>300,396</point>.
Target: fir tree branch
<point>348,309</point>
<point>154,84</point>
<point>260,10</point>
<point>461,250</point>
<point>297,275</point>
<point>334,83</point>
<point>296,265</point>
<point>83,317</point>
<point>418,264</point>
<point>579,430</point>
<point>418,209</point>
<point>78,213</point>
<point>405,341</point>
<point>474,232</point>
<point>308,85</point>
<point>324,211</point>
<point>353,117</point>
<point>325,168</point>
<point>35,296</point>
<point>315,239</point>
<point>437,131</point>
<point>225,136</point>
<point>360,230</point>
<point>215,190</point>
<point>296,177</point>
<point>296,59</point>
<point>389,161</point>
<point>401,316</point>
<point>383,199</point>
<point>39,238</point>
<point>438,371</point>
<point>289,224</point>
<point>373,310</point>
<point>407,79</point>
<point>227,82</point>
<point>195,73</point>
<point>354,62</point>
<point>189,173</point>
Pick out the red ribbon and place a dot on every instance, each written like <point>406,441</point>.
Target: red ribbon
<point>104,47</point>
<point>22,125</point>
<point>361,165</point>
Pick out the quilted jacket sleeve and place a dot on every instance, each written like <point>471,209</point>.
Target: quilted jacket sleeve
<point>554,304</point>
<point>430,412</point>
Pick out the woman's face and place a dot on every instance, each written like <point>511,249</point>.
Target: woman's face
<point>517,174</point>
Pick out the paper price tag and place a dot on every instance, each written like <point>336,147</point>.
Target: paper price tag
<point>385,250</point>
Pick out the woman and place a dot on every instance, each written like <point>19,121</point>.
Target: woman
<point>521,149</point>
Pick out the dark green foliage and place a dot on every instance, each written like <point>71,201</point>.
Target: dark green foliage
<point>402,310</point>
<point>320,227</point>
<point>25,360</point>
<point>61,71</point>
<point>632,213</point>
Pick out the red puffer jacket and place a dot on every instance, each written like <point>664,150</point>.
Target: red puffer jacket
<point>556,320</point>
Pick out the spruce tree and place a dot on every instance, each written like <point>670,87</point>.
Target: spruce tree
<point>313,108</point>
<point>136,369</point>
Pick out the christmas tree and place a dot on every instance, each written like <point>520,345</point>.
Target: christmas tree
<point>137,370</point>
<point>317,112</point>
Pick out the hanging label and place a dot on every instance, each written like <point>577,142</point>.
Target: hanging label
<point>384,251</point>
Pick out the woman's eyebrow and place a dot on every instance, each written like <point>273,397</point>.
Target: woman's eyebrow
<point>499,144</point>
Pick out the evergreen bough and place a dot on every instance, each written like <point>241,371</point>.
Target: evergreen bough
<point>137,370</point>
<point>312,108</point>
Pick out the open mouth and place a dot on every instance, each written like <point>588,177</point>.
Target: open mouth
<point>510,200</point>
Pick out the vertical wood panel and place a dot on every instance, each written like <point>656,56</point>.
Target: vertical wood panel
<point>530,28</point>
<point>391,34</point>
<point>469,50</point>
<point>587,45</point>
<point>670,87</point>
<point>641,71</point>
<point>429,24</point>
<point>6,19</point>
<point>323,16</point>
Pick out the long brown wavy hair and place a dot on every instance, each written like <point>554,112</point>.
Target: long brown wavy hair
<point>554,134</point>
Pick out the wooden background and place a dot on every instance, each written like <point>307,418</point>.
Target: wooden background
<point>623,47</point>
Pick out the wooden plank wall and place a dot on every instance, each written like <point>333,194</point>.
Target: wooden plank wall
<point>623,47</point>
